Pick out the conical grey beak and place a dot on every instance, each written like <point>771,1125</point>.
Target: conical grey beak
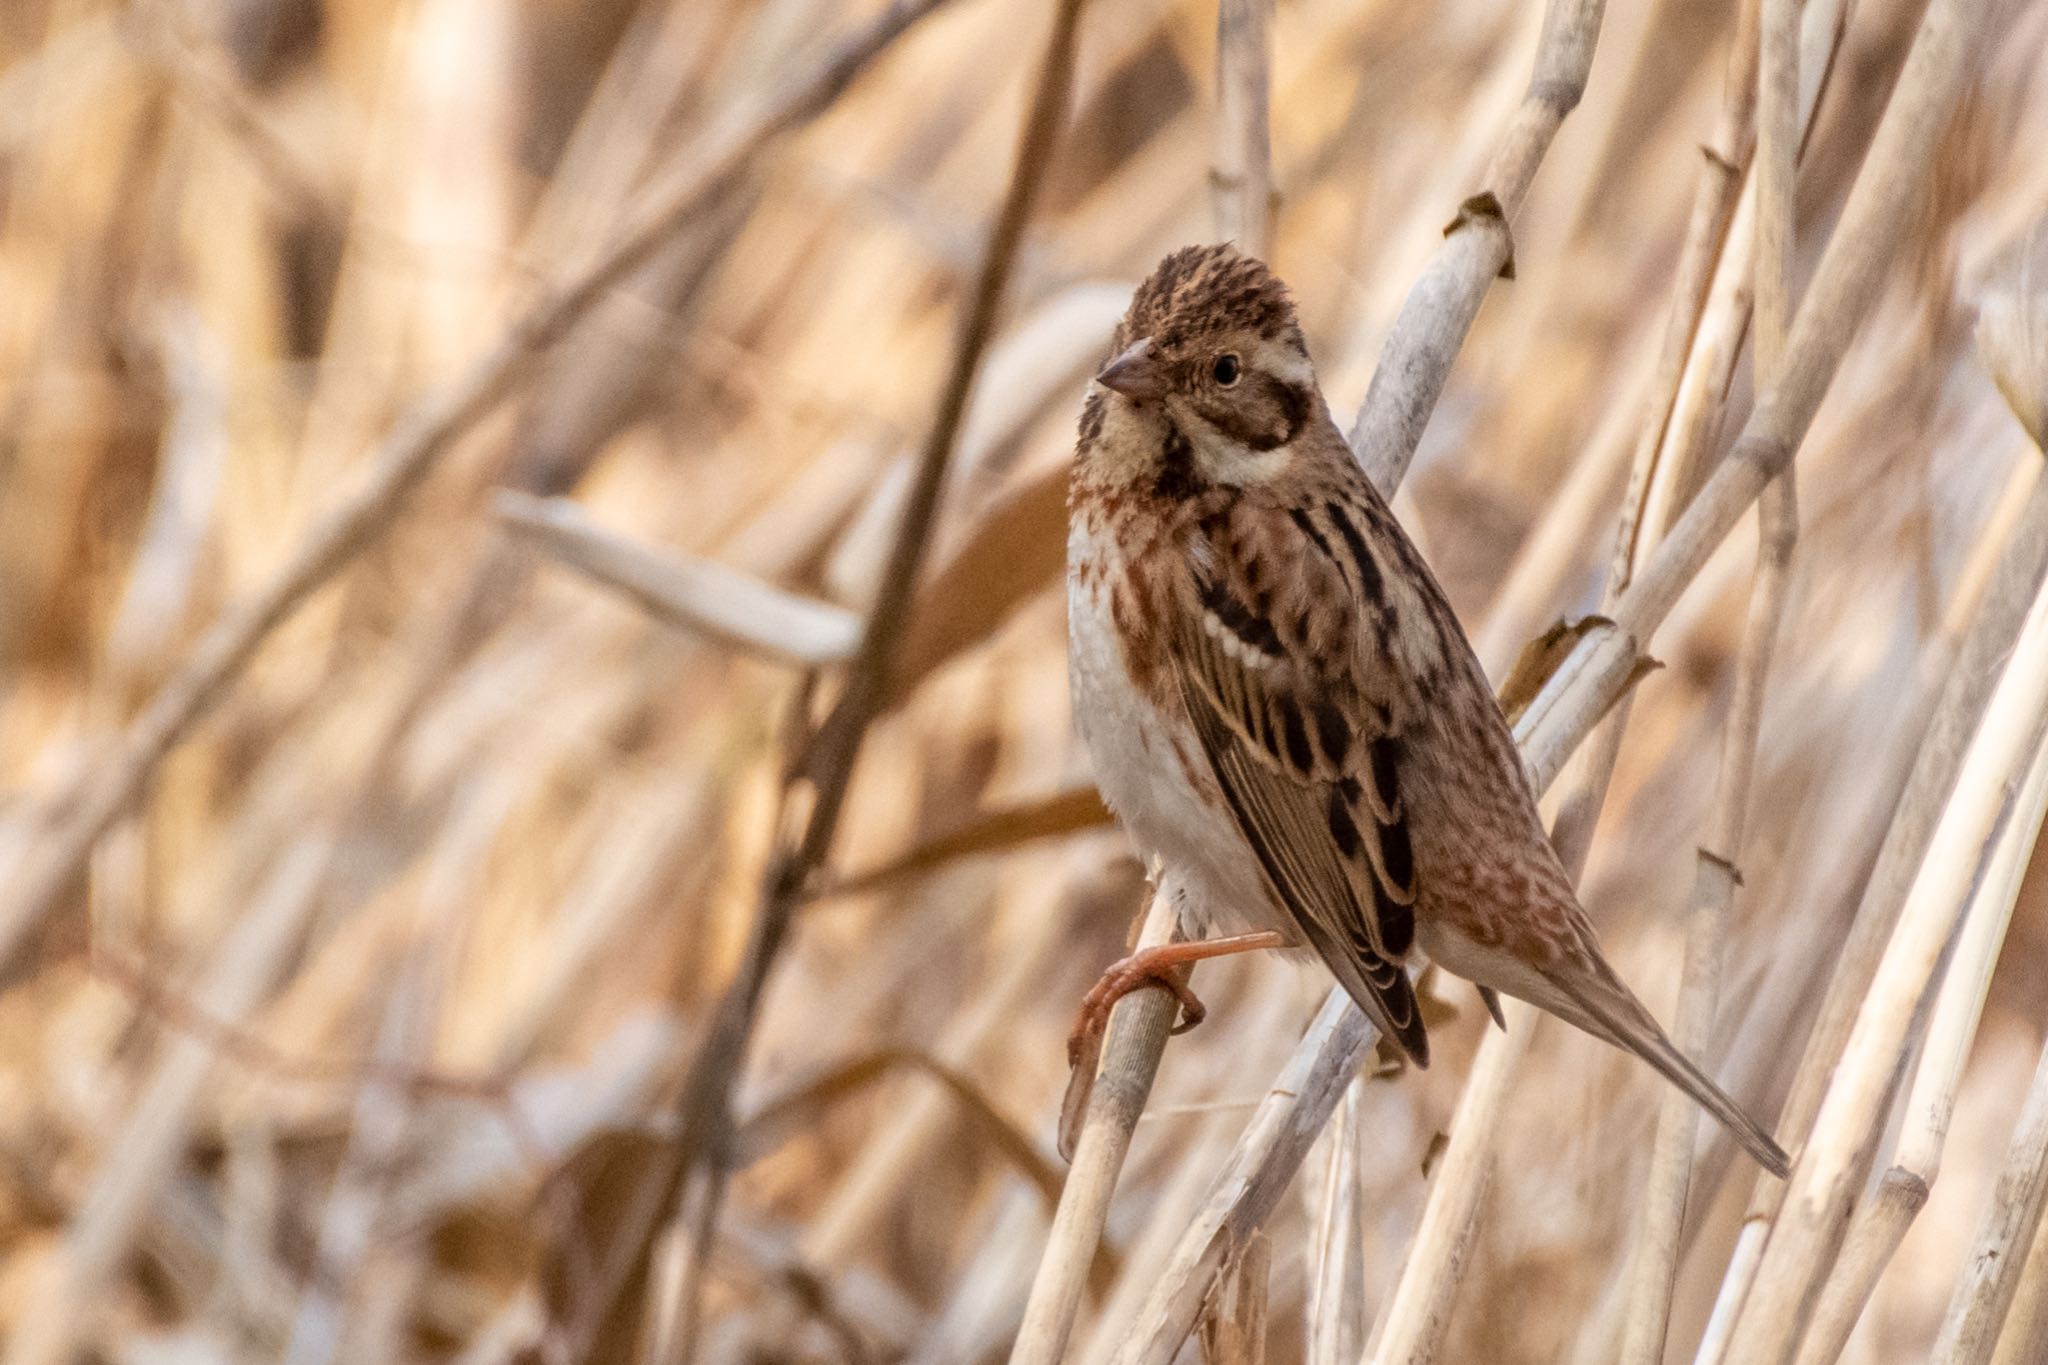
<point>1133,374</point>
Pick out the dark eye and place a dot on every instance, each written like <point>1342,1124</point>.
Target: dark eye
<point>1225,370</point>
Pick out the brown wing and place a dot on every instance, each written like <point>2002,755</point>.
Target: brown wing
<point>1313,780</point>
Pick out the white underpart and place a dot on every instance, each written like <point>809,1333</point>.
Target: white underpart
<point>1139,768</point>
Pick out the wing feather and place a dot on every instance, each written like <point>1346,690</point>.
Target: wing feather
<point>1317,800</point>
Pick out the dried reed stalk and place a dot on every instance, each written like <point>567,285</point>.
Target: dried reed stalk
<point>1121,1083</point>
<point>1881,1220</point>
<point>1243,178</point>
<point>411,452</point>
<point>694,1183</point>
<point>1654,1266</point>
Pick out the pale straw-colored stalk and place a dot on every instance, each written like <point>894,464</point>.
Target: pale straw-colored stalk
<point>1829,1170</point>
<point>1881,1220</point>
<point>1654,1263</point>
<point>1978,1310</point>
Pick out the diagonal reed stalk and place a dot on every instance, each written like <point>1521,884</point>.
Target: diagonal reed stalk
<point>415,446</point>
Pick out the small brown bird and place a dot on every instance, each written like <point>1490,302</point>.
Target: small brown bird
<point>1281,705</point>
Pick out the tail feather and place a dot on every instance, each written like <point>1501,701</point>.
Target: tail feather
<point>1626,1024</point>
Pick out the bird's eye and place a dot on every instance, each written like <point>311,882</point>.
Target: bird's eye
<point>1225,370</point>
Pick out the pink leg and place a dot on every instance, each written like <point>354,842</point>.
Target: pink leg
<point>1161,967</point>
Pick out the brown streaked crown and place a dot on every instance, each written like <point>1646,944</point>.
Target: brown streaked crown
<point>1200,295</point>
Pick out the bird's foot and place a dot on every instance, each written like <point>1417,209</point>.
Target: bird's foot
<point>1164,966</point>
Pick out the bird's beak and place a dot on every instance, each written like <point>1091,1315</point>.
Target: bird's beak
<point>1134,374</point>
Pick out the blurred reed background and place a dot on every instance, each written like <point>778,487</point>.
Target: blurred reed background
<point>399,680</point>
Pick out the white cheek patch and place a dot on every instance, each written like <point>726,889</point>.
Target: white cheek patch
<point>1229,462</point>
<point>1222,460</point>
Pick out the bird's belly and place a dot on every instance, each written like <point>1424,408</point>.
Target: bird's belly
<point>1151,772</point>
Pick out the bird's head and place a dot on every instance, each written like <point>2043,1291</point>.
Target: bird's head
<point>1209,378</point>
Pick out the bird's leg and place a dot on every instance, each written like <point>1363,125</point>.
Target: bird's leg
<point>1163,966</point>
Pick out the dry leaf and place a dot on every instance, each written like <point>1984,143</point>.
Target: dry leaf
<point>694,593</point>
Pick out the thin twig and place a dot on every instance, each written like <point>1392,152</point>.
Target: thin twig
<point>705,1104</point>
<point>411,452</point>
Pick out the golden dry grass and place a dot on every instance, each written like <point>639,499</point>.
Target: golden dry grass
<point>365,1022</point>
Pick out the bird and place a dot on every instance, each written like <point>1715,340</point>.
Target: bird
<point>1281,707</point>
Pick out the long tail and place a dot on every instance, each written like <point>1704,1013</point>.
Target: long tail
<point>1623,1021</point>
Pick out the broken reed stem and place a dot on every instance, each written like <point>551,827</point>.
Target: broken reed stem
<point>1335,1295</point>
<point>705,1106</point>
<point>1654,1267</point>
<point>698,595</point>
<point>1246,201</point>
<point>1234,1333</point>
<point>415,446</point>
<point>1478,247</point>
<point>1880,1223</point>
<point>1984,1294</point>
<point>1865,1251</point>
<point>1413,366</point>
